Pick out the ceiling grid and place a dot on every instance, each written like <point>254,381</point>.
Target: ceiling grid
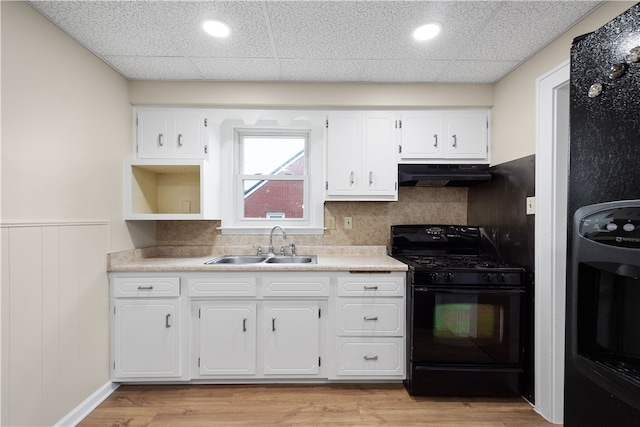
<point>367,41</point>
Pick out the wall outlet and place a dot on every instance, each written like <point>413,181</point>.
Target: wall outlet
<point>348,223</point>
<point>329,222</point>
<point>531,205</point>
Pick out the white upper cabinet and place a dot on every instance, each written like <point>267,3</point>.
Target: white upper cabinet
<point>361,156</point>
<point>438,136</point>
<point>171,133</point>
<point>421,135</point>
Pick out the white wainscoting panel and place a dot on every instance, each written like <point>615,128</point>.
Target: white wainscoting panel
<point>55,329</point>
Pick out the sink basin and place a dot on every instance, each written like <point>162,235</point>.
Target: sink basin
<point>257,259</point>
<point>237,259</point>
<point>297,259</point>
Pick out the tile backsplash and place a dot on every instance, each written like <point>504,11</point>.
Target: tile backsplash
<point>371,221</point>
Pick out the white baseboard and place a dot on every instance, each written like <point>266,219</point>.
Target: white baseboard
<point>89,404</point>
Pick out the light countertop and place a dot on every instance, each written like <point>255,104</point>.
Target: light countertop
<point>193,258</point>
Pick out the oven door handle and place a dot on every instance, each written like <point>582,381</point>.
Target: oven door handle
<point>457,290</point>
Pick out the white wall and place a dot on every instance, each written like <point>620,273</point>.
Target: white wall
<point>66,130</point>
<point>310,95</point>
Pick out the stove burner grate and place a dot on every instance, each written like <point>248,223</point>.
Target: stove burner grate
<point>456,262</point>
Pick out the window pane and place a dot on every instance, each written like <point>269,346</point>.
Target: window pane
<point>273,199</point>
<point>266,155</point>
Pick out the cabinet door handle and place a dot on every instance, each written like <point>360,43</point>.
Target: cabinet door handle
<point>166,320</point>
<point>370,317</point>
<point>435,140</point>
<point>273,324</point>
<point>370,287</point>
<point>160,143</point>
<point>351,178</point>
<point>244,324</point>
<point>145,288</point>
<point>371,357</point>
<point>370,177</point>
<point>179,140</point>
<point>455,141</point>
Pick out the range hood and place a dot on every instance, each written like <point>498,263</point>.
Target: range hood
<point>436,175</point>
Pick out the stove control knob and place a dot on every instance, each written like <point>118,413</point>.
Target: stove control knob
<point>435,277</point>
<point>448,277</point>
<point>489,277</point>
<point>502,278</point>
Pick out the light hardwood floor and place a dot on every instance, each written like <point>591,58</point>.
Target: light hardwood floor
<point>303,405</point>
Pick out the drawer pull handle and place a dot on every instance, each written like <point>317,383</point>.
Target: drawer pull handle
<point>273,324</point>
<point>244,324</point>
<point>370,317</point>
<point>145,288</point>
<point>179,140</point>
<point>371,357</point>
<point>160,143</point>
<point>166,320</point>
<point>370,288</point>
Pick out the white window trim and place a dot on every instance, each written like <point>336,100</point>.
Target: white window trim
<point>232,221</point>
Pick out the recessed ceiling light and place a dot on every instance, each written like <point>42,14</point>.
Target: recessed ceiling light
<point>216,28</point>
<point>427,31</point>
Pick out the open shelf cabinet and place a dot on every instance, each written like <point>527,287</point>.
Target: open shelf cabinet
<point>171,189</point>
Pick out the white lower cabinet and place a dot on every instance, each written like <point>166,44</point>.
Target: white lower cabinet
<point>227,338</point>
<point>228,327</point>
<point>370,326</point>
<point>372,357</point>
<point>147,336</point>
<point>291,338</point>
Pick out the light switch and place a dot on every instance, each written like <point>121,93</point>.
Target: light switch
<point>329,222</point>
<point>531,205</point>
<point>348,223</point>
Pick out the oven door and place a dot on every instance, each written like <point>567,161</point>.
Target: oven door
<point>469,326</point>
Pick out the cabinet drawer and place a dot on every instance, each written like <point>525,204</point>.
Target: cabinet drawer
<point>296,287</point>
<point>383,317</point>
<point>375,357</point>
<point>146,287</point>
<point>371,285</point>
<point>222,286</point>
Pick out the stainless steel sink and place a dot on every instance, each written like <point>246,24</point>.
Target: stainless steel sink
<point>296,259</point>
<point>238,259</point>
<point>267,259</point>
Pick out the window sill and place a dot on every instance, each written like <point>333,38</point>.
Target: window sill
<point>292,230</point>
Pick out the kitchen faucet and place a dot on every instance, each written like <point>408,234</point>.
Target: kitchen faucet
<point>284,235</point>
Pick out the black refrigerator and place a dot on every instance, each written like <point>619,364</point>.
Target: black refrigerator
<point>602,358</point>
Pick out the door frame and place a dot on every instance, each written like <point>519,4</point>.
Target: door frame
<point>552,146</point>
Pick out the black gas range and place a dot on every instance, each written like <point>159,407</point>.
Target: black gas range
<point>464,312</point>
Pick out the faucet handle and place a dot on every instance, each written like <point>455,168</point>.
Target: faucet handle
<point>282,250</point>
<point>259,248</point>
<point>293,248</point>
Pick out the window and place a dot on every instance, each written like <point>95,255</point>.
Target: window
<point>272,173</point>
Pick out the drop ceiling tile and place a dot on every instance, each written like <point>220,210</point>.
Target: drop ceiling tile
<point>362,40</point>
<point>399,71</point>
<point>520,29</point>
<point>316,29</point>
<point>238,69</point>
<point>109,27</point>
<point>475,71</point>
<point>182,20</point>
<point>460,20</point>
<point>154,68</point>
<point>321,70</point>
